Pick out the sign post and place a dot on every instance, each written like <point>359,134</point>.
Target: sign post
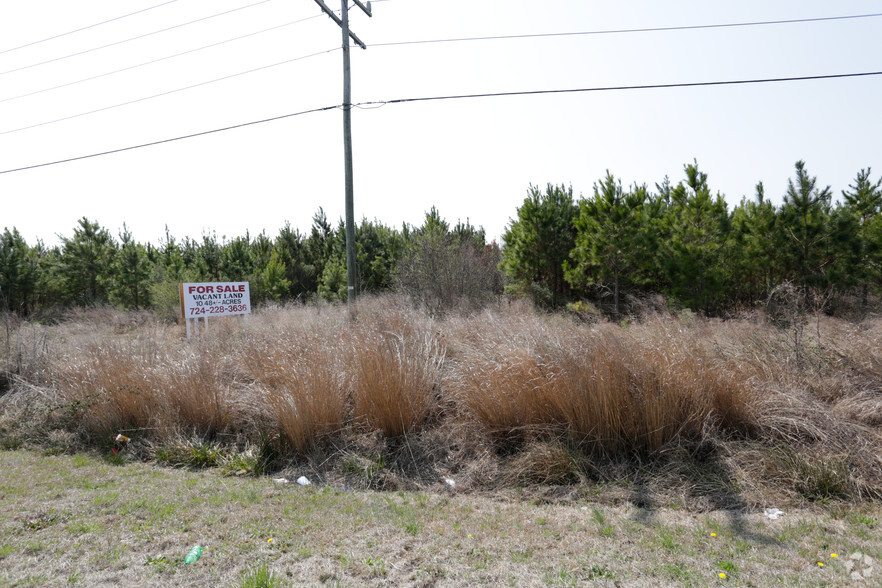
<point>204,299</point>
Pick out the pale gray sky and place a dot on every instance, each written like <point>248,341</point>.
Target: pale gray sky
<point>471,158</point>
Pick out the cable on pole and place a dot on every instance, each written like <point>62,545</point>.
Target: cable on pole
<point>91,26</point>
<point>115,43</point>
<point>171,140</point>
<point>166,93</point>
<point>167,57</point>
<point>459,97</point>
<point>624,31</point>
<point>614,88</point>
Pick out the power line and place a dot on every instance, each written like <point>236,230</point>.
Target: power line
<point>500,37</point>
<point>167,57</point>
<point>457,97</point>
<point>91,26</point>
<point>621,31</point>
<point>166,93</point>
<point>177,26</point>
<point>614,88</point>
<point>160,142</point>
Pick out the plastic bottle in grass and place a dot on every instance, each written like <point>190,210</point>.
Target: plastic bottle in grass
<point>194,554</point>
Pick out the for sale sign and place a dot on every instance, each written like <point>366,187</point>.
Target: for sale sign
<point>215,299</point>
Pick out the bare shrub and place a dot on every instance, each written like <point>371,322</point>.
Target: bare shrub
<point>441,272</point>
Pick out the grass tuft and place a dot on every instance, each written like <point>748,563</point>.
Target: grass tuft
<point>261,577</point>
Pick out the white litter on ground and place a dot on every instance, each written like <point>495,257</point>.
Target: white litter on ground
<point>303,481</point>
<point>774,513</point>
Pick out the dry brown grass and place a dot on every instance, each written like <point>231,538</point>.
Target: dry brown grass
<point>612,390</point>
<point>300,382</point>
<point>504,396</point>
<point>146,382</point>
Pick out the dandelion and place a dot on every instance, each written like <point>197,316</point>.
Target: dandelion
<point>722,575</point>
<point>820,564</point>
<point>833,555</point>
<point>713,534</point>
<point>270,540</point>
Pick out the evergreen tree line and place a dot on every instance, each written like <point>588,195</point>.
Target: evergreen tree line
<point>679,240</point>
<point>682,241</point>
<point>93,268</point>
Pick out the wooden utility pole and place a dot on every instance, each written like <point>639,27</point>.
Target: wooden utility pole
<point>343,21</point>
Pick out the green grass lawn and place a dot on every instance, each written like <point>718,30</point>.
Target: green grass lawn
<point>82,520</point>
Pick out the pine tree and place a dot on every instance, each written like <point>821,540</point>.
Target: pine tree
<point>699,226</point>
<point>805,217</point>
<point>864,202</point>
<point>537,244</point>
<point>753,251</point>
<point>18,273</point>
<point>85,264</point>
<point>607,237</point>
<point>131,274</point>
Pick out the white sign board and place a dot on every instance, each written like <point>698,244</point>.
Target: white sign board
<point>215,299</point>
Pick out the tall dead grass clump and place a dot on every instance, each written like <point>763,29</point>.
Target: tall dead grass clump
<point>394,363</point>
<point>196,392</point>
<point>149,381</point>
<point>611,390</point>
<point>108,386</point>
<point>23,351</point>
<point>301,381</point>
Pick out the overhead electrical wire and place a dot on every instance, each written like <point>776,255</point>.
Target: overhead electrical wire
<point>623,31</point>
<point>115,43</point>
<point>160,142</point>
<point>500,37</point>
<point>151,62</point>
<point>616,88</point>
<point>166,93</point>
<point>455,97</point>
<point>91,26</point>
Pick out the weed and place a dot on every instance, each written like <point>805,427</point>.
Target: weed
<point>194,454</point>
<point>865,520</point>
<point>81,461</point>
<point>10,443</point>
<point>679,572</point>
<point>376,565</point>
<point>820,478</point>
<point>83,528</point>
<point>245,463</point>
<point>597,572</point>
<point>367,469</point>
<point>559,577</point>
<point>667,539</point>
<point>521,556</point>
<point>41,521</point>
<point>261,577</point>
<point>160,564</point>
<point>728,567</point>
